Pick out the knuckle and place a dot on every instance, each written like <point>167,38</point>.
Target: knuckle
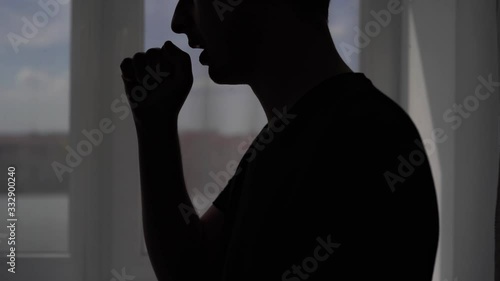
<point>153,55</point>
<point>125,60</point>
<point>125,63</point>
<point>139,57</point>
<point>153,51</point>
<point>168,45</point>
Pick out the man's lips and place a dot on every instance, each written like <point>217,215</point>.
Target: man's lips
<point>195,45</point>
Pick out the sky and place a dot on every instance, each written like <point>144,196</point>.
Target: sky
<point>34,79</point>
<point>34,85</point>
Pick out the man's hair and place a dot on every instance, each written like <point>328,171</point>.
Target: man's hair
<point>312,10</point>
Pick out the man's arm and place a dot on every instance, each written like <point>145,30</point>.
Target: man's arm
<point>157,83</point>
<point>178,249</point>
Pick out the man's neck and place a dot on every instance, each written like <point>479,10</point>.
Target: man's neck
<point>289,68</point>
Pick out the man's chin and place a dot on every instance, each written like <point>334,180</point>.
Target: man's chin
<point>224,76</point>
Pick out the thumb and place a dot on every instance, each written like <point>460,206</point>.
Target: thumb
<point>171,54</point>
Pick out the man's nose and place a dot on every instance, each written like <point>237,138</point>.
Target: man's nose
<point>181,19</point>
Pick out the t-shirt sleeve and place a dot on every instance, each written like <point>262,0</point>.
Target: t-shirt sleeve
<point>222,202</point>
<point>227,200</point>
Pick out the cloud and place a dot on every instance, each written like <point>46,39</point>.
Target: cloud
<point>55,32</point>
<point>36,101</point>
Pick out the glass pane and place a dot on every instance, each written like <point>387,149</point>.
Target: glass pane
<point>344,18</point>
<point>34,121</point>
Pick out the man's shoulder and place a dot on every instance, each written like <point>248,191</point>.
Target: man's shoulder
<point>375,111</point>
<point>363,110</point>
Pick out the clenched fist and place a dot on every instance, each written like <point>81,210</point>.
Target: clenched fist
<point>157,82</point>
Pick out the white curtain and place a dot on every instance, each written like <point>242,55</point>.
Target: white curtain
<point>431,61</point>
<point>449,51</point>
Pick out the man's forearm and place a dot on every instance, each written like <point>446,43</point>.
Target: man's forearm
<point>171,243</point>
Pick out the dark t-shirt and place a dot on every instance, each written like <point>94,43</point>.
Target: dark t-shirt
<point>339,188</point>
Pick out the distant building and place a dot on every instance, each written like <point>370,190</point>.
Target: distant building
<point>33,154</point>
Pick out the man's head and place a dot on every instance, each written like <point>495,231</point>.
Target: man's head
<point>311,11</point>
<point>235,33</point>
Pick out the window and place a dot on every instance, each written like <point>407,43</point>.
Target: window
<point>60,75</point>
<point>34,130</point>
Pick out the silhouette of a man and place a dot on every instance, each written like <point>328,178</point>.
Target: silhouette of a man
<point>336,186</point>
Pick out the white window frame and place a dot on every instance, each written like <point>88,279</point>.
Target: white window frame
<point>103,33</point>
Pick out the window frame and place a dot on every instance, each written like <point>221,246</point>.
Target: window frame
<point>103,33</point>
